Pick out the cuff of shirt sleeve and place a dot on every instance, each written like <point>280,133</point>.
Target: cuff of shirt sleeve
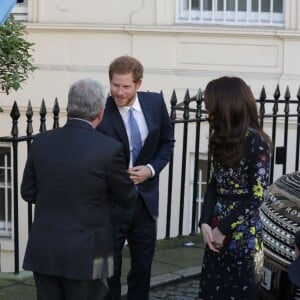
<point>152,170</point>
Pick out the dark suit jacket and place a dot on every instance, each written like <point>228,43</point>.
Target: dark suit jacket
<point>70,175</point>
<point>157,148</point>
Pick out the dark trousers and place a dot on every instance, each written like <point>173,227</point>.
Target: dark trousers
<point>139,229</point>
<point>59,288</point>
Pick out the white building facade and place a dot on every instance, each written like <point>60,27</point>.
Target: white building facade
<point>182,44</point>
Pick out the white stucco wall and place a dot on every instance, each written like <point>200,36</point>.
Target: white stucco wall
<point>75,39</point>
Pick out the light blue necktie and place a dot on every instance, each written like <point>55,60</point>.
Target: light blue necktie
<point>136,140</point>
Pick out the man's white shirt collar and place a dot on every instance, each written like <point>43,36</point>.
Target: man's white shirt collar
<point>136,105</point>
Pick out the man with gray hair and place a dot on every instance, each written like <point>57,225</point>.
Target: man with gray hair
<point>70,248</point>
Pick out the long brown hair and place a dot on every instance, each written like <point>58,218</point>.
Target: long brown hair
<point>232,110</point>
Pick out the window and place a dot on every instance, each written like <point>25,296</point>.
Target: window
<point>201,188</point>
<point>20,10</point>
<point>202,185</point>
<point>5,191</point>
<point>231,12</point>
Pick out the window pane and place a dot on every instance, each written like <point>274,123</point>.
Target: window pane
<point>265,5</point>
<point>278,6</point>
<point>4,217</point>
<point>9,205</point>
<point>186,4</point>
<point>2,176</point>
<point>230,5</point>
<point>5,164</point>
<point>3,152</point>
<point>207,4</point>
<point>5,190</point>
<point>220,5</point>
<point>255,5</point>
<point>196,4</point>
<point>242,5</point>
<point>2,205</point>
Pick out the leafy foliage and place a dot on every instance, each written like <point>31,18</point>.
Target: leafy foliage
<point>16,61</point>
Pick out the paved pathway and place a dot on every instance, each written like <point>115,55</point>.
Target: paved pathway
<point>186,289</point>
<point>175,259</point>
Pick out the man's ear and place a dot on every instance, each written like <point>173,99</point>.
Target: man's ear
<point>138,84</point>
<point>100,114</point>
<point>99,117</point>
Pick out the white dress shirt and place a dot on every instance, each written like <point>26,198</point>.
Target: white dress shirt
<point>140,118</point>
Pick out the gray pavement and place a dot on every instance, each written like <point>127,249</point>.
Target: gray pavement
<point>184,289</point>
<point>176,265</point>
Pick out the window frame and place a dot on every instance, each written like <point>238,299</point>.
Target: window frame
<point>229,17</point>
<point>20,11</point>
<point>201,189</point>
<point>6,185</point>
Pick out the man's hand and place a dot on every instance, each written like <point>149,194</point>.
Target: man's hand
<point>139,174</point>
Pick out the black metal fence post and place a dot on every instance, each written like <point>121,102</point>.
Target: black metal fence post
<point>274,123</point>
<point>170,177</point>
<point>15,114</point>
<point>186,115</point>
<point>287,97</point>
<point>196,162</point>
<point>262,110</point>
<point>298,132</point>
<point>29,132</point>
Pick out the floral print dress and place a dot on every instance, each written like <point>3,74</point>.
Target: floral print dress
<point>233,197</point>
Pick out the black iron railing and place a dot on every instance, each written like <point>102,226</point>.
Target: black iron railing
<point>274,114</point>
<point>279,115</point>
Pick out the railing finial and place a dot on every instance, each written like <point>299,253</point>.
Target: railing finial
<point>56,111</point>
<point>173,102</point>
<point>29,115</point>
<point>15,115</point>
<point>186,101</point>
<point>43,112</point>
<point>277,92</point>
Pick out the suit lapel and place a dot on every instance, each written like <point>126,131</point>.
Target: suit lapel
<point>118,124</point>
<point>148,113</point>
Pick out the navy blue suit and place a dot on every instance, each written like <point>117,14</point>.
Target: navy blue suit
<point>138,225</point>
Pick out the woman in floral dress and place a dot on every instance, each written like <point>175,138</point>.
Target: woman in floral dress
<point>230,222</point>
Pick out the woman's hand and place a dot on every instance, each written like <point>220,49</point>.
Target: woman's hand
<point>208,237</point>
<point>218,237</point>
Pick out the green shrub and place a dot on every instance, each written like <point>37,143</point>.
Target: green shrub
<point>16,61</point>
